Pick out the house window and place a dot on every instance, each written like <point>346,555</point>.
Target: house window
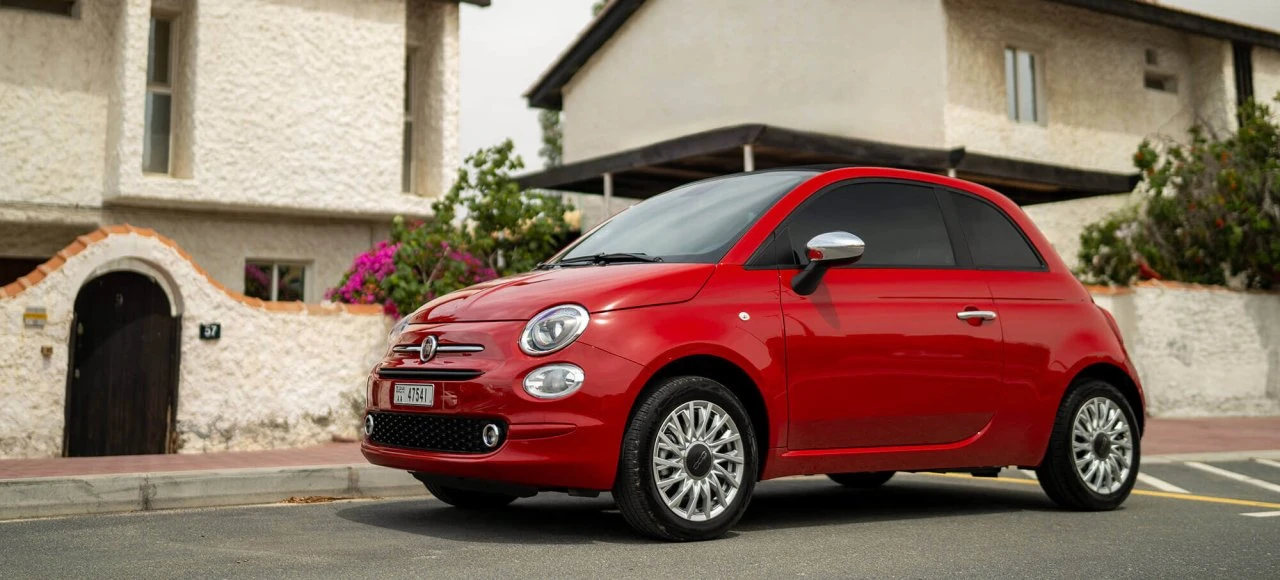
<point>1021,88</point>
<point>406,163</point>
<point>1152,57</point>
<point>59,7</point>
<point>158,135</point>
<point>274,281</point>
<point>1160,82</point>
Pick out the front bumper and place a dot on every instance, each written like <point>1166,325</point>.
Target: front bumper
<point>570,443</point>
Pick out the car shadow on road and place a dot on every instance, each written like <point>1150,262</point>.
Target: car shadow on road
<point>558,519</point>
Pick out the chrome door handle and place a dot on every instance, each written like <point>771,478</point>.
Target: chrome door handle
<point>979,314</point>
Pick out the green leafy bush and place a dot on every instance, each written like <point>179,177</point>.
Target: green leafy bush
<point>1209,212</point>
<point>485,226</point>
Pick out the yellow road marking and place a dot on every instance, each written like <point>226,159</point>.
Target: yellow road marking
<point>1164,494</point>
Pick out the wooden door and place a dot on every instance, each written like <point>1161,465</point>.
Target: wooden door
<point>122,381</point>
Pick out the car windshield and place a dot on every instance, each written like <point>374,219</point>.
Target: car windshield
<point>695,223</point>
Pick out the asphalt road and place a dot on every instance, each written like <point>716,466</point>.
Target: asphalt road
<point>916,526</point>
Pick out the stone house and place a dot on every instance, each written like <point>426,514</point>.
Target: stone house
<point>264,142</point>
<point>1044,100</point>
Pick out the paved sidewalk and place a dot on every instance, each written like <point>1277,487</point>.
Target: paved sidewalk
<point>1163,437</point>
<point>88,485</point>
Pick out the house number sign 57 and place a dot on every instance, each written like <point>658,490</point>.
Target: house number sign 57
<point>210,331</point>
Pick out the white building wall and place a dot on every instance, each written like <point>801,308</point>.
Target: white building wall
<point>55,78</point>
<point>872,69</point>
<point>241,392</point>
<point>1096,108</point>
<point>1061,222</point>
<point>1266,75</point>
<point>1200,350</point>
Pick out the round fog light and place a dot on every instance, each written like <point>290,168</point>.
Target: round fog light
<point>368,425</point>
<point>490,435</point>
<point>554,381</point>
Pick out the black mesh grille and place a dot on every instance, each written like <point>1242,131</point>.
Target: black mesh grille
<point>433,432</point>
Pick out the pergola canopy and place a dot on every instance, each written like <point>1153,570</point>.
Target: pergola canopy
<point>647,171</point>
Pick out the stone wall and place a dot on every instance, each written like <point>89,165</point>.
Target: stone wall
<point>1200,350</point>
<point>283,374</point>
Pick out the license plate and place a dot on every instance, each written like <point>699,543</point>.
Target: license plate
<point>415,395</point>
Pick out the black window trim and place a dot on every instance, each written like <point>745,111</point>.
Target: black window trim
<point>952,216</point>
<point>782,232</point>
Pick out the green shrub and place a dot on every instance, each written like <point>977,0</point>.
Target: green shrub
<point>1208,214</point>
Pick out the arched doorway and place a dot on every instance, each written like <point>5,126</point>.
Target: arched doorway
<point>122,380</point>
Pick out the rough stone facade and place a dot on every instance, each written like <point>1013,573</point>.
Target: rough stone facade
<point>1201,350</point>
<point>283,374</point>
<point>1062,221</point>
<point>287,126</point>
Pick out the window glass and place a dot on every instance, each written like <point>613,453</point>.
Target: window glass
<point>155,146</point>
<point>289,282</point>
<point>695,223</point>
<point>993,239</point>
<point>1020,70</point>
<point>158,52</point>
<point>257,280</point>
<point>901,224</point>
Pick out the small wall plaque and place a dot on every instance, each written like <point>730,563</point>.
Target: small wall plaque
<point>210,331</point>
<point>34,317</point>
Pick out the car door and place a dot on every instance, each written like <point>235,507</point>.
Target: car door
<point>879,354</point>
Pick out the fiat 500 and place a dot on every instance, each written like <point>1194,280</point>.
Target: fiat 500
<point>855,323</point>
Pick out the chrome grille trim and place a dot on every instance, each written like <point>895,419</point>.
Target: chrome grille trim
<point>417,348</point>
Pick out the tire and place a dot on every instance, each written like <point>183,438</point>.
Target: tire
<point>1058,475</point>
<point>867,480</point>
<point>703,460</point>
<point>468,499</point>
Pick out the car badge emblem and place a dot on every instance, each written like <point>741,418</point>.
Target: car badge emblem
<point>427,351</point>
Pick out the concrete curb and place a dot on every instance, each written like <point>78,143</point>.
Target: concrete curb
<point>40,497</point>
<point>1211,456</point>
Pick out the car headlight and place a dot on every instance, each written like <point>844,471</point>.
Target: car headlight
<point>553,329</point>
<point>554,381</point>
<point>397,329</point>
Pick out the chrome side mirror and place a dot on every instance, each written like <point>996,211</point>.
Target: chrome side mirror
<point>824,251</point>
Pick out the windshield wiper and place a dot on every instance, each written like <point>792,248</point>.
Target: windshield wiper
<point>606,258</point>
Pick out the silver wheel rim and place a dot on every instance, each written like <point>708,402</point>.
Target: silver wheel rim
<point>1101,445</point>
<point>702,432</point>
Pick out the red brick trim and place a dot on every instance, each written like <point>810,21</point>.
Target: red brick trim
<point>82,242</point>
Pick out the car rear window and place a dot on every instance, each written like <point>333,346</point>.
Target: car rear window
<point>994,240</point>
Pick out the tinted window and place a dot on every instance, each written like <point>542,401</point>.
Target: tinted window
<point>901,225</point>
<point>695,223</point>
<point>994,241</point>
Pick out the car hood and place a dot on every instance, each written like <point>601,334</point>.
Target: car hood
<point>596,288</point>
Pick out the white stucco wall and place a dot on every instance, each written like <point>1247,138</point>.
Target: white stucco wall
<point>1096,109</point>
<point>287,106</point>
<point>269,382</point>
<point>1201,351</point>
<point>220,242</point>
<point>1266,74</point>
<point>872,69</point>
<point>55,76</point>
<point>1063,221</point>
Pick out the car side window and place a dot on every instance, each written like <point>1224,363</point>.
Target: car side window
<point>994,240</point>
<point>901,224</point>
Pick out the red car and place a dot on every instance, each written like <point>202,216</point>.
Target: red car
<point>854,322</point>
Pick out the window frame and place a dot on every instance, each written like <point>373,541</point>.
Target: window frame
<point>1012,107</point>
<point>959,248</point>
<point>409,153</point>
<point>274,290</point>
<point>168,89</point>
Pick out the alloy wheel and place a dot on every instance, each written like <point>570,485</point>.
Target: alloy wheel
<point>698,460</point>
<point>1102,445</point>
